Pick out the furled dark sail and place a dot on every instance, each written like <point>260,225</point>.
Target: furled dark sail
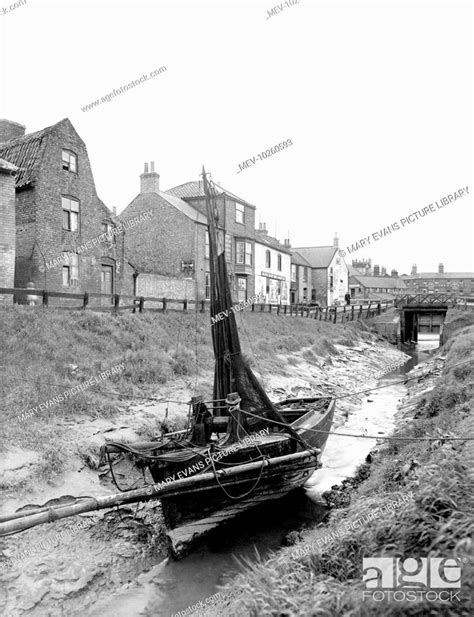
<point>232,373</point>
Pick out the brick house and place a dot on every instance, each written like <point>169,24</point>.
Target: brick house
<point>58,212</point>
<point>272,267</point>
<point>300,289</point>
<point>460,284</point>
<point>171,254</point>
<point>7,227</point>
<point>329,273</point>
<point>237,228</point>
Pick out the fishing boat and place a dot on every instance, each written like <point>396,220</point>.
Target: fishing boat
<point>239,449</point>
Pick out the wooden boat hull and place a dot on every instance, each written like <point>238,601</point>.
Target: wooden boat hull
<point>193,513</point>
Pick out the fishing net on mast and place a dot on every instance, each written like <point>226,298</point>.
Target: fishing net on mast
<point>232,373</point>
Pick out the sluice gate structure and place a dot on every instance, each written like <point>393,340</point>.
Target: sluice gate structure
<point>423,313</point>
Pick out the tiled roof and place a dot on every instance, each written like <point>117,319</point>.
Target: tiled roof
<point>438,275</point>
<point>195,189</point>
<point>25,153</point>
<point>267,240</point>
<point>318,256</point>
<point>299,260</point>
<point>390,282</point>
<point>144,201</point>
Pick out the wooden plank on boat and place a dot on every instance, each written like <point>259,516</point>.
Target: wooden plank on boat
<point>19,522</point>
<point>180,538</point>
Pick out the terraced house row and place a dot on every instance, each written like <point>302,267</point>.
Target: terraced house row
<point>50,208</point>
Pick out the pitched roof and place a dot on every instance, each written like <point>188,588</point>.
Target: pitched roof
<point>299,260</point>
<point>438,275</point>
<point>318,256</point>
<point>25,153</point>
<point>195,189</point>
<point>267,240</point>
<point>143,201</point>
<point>390,282</point>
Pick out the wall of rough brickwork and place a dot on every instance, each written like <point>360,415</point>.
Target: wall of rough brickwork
<point>160,245</point>
<point>7,232</point>
<point>160,286</point>
<point>40,236</point>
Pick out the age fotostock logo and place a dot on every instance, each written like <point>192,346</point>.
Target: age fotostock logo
<point>412,579</point>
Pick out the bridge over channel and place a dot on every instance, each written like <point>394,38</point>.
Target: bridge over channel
<point>424,313</point>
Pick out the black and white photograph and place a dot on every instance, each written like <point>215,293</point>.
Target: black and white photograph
<point>236,308</point>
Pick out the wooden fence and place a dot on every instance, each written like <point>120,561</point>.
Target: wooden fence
<point>117,302</point>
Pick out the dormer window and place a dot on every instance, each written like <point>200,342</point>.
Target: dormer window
<point>69,161</point>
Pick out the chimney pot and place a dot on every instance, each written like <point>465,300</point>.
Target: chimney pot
<point>150,180</point>
<point>441,269</point>
<point>413,269</point>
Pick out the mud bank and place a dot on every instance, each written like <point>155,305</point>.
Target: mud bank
<point>86,567</point>
<point>411,499</point>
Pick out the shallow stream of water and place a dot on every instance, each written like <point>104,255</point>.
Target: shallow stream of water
<point>172,586</point>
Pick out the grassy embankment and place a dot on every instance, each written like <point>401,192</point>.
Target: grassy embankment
<point>47,352</point>
<point>437,522</point>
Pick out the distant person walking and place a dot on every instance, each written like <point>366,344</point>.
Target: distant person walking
<point>347,298</point>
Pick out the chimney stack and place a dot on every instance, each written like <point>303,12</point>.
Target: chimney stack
<point>262,228</point>
<point>394,273</point>
<point>10,130</point>
<point>286,243</point>
<point>335,241</point>
<point>413,269</point>
<point>150,180</point>
<point>440,269</point>
<point>384,271</point>
<point>376,270</point>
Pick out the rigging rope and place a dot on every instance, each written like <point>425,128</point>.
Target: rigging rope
<point>162,400</point>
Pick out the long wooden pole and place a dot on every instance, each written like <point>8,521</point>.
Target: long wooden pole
<point>20,521</point>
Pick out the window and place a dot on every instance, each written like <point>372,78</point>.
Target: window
<point>206,249</point>
<point>70,213</point>
<point>243,253</point>
<point>241,283</point>
<point>70,270</point>
<point>279,262</point>
<point>208,285</point>
<point>305,274</point>
<point>107,228</point>
<point>268,259</point>
<point>69,161</point>
<point>239,213</point>
<point>293,273</point>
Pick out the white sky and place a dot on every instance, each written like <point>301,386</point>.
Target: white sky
<point>376,97</point>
